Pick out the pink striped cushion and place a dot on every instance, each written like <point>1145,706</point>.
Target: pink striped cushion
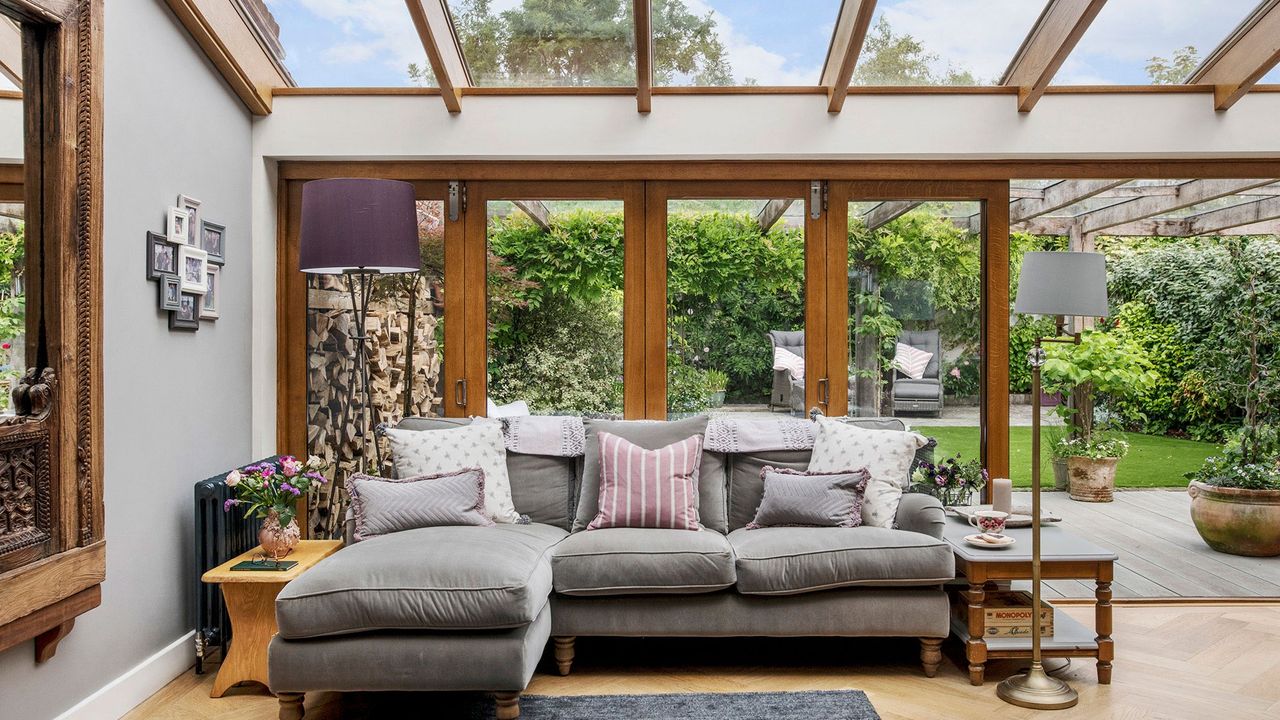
<point>648,488</point>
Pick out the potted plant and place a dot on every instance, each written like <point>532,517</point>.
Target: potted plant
<point>1106,363</point>
<point>1235,495</point>
<point>270,490</point>
<point>951,481</point>
<point>1055,435</point>
<point>716,384</point>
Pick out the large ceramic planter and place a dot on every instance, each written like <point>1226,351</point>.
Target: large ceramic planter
<point>1061,480</point>
<point>1092,479</point>
<point>1236,521</point>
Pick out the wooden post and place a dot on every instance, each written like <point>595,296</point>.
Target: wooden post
<point>994,410</point>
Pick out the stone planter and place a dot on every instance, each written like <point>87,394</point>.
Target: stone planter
<point>1092,480</point>
<point>1061,480</point>
<point>1236,521</point>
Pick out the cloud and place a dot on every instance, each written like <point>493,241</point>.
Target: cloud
<point>749,59</point>
<point>367,30</point>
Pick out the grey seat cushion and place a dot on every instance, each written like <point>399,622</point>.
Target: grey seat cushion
<point>542,486</point>
<point>916,389</point>
<point>631,561</point>
<point>439,578</point>
<point>652,436</point>
<point>790,560</point>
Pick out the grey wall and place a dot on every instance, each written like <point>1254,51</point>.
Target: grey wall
<point>177,404</point>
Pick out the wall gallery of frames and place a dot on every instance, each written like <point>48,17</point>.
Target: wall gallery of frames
<point>186,262</point>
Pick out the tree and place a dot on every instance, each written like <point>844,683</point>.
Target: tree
<point>583,42</point>
<point>890,59</point>
<point>1173,71</point>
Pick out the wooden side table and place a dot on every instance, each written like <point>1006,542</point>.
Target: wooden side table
<point>251,602</point>
<point>1064,556</point>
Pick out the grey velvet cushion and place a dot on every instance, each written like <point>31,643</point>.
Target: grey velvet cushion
<point>652,436</point>
<point>916,389</point>
<point>790,560</point>
<point>383,505</point>
<point>542,486</point>
<point>746,486</point>
<point>440,578</point>
<point>629,561</point>
<point>794,497</point>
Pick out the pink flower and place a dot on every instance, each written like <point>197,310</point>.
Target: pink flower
<point>955,372</point>
<point>291,467</point>
<point>233,478</point>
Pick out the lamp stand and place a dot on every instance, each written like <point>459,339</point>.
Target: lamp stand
<point>360,369</point>
<point>1035,689</point>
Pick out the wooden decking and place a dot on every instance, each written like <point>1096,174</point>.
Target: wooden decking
<point>1161,555</point>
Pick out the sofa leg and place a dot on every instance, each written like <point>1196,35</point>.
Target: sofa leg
<point>931,655</point>
<point>508,705</point>
<point>291,706</point>
<point>564,654</point>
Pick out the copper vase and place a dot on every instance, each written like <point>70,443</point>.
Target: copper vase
<point>278,541</point>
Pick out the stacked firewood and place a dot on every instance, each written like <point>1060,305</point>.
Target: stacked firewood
<point>334,430</point>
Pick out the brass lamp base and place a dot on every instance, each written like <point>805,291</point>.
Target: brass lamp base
<point>1037,691</point>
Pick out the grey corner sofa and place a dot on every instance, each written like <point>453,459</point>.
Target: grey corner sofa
<point>472,608</point>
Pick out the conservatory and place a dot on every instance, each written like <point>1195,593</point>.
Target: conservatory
<point>924,352</point>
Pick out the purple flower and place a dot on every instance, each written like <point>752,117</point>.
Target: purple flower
<point>226,506</point>
<point>941,480</point>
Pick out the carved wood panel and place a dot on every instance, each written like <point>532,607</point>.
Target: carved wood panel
<point>26,497</point>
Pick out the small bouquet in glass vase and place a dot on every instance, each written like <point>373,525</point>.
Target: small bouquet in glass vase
<point>270,490</point>
<point>951,481</point>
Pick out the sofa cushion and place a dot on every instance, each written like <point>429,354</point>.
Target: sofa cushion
<point>916,389</point>
<point>386,505</point>
<point>801,498</point>
<point>651,436</point>
<point>632,561</point>
<point>430,452</point>
<point>439,578</point>
<point>791,560</point>
<point>886,454</point>
<point>746,486</point>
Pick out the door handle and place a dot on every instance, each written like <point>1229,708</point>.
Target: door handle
<point>824,392</point>
<point>460,393</point>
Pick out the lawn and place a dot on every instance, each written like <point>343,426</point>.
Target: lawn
<point>1153,461</point>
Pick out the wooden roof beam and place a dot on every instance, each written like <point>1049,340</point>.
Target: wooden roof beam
<point>643,15</point>
<point>1189,193</point>
<point>888,211</point>
<point>439,39</point>
<point>1235,216</point>
<point>1046,47</point>
<point>1057,196</point>
<point>772,212</point>
<point>11,51</point>
<point>241,44</point>
<point>1243,58</point>
<point>852,23</point>
<point>537,211</point>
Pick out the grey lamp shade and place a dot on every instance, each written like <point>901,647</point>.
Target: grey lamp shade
<point>1063,283</point>
<point>359,224</point>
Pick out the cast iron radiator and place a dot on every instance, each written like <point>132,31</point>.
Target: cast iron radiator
<point>220,536</point>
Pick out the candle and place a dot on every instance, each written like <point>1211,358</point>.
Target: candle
<point>1002,494</point>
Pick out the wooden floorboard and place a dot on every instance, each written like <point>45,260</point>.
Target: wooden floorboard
<point>1172,662</point>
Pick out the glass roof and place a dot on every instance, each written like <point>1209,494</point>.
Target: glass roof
<point>1112,53</point>
<point>351,43</point>
<point>741,42</point>
<point>943,42</point>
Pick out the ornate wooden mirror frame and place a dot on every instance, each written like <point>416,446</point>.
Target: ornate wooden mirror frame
<point>52,551</point>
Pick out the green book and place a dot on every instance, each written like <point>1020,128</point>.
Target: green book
<point>268,565</point>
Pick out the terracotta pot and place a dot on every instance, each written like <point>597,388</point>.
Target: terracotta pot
<point>278,541</point>
<point>1236,521</point>
<point>1092,480</point>
<point>1061,481</point>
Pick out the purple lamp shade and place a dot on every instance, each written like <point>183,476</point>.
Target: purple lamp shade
<point>359,224</point>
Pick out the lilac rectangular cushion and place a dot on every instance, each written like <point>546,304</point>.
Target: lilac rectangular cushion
<point>384,505</point>
<point>807,498</point>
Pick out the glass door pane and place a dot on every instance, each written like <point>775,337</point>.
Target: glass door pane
<point>555,292</point>
<point>735,306</point>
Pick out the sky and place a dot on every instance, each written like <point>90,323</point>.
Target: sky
<point>371,42</point>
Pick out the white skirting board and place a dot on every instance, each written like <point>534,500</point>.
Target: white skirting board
<point>145,679</point>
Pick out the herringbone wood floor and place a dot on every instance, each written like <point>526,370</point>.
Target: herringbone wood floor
<point>1176,662</point>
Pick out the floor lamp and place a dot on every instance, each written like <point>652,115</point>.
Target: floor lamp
<point>1059,284</point>
<point>359,228</point>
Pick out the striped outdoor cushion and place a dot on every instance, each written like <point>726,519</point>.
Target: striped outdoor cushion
<point>911,361</point>
<point>642,488</point>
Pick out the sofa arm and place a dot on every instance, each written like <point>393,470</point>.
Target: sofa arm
<point>918,512</point>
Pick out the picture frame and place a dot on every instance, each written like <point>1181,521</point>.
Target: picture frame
<point>191,206</point>
<point>170,292</point>
<point>187,316</point>
<point>176,226</point>
<point>162,256</point>
<point>213,240</point>
<point>193,265</point>
<point>212,297</point>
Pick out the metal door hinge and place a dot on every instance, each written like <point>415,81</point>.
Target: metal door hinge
<point>457,199</point>
<point>817,198</point>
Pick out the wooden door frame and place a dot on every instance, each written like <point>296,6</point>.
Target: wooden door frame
<point>993,196</point>
<point>657,195</point>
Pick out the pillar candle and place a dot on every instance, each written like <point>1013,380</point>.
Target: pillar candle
<point>1002,494</point>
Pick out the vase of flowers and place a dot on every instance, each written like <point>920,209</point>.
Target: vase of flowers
<point>952,481</point>
<point>270,490</point>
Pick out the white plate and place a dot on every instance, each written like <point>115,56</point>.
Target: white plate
<point>974,541</point>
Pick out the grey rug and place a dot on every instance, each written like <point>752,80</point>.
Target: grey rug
<point>815,705</point>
